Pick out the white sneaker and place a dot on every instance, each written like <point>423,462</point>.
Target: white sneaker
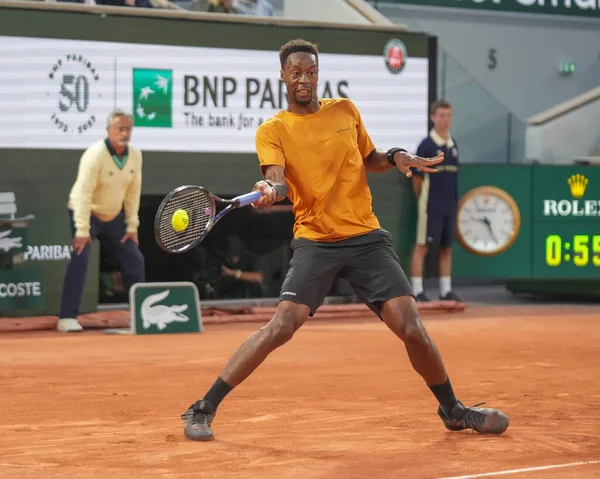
<point>69,325</point>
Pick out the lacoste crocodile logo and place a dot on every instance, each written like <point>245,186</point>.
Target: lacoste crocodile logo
<point>159,314</point>
<point>7,244</point>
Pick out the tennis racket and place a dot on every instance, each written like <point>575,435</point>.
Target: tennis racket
<point>188,213</point>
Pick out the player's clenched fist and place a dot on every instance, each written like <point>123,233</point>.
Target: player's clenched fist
<point>269,194</point>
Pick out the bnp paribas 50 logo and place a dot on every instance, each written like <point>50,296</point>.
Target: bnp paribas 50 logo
<point>573,207</point>
<point>153,98</point>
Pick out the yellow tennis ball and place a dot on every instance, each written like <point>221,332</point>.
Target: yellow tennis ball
<point>180,220</point>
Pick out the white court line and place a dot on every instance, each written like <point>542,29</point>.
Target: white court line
<point>527,469</point>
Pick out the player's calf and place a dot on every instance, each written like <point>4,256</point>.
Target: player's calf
<point>402,317</point>
<point>288,318</point>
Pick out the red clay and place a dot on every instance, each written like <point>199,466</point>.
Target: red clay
<point>339,401</point>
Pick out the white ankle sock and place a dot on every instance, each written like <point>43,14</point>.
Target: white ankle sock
<point>417,284</point>
<point>445,285</point>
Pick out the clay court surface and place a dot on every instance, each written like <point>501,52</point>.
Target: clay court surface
<point>339,401</point>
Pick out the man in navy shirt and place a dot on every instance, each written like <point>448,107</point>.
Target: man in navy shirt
<point>437,199</point>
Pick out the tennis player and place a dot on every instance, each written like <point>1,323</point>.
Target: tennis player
<point>318,153</point>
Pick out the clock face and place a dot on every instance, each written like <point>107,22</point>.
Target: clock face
<point>488,221</point>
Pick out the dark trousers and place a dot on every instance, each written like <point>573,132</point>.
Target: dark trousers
<point>109,234</point>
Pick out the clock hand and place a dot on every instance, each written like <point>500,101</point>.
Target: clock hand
<point>489,227</point>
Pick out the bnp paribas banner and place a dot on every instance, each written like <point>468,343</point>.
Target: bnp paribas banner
<point>57,93</point>
<point>583,8</point>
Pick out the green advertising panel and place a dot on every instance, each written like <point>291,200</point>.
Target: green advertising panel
<point>47,249</point>
<point>43,22</point>
<point>581,8</point>
<point>559,232</point>
<point>165,308</point>
<point>21,289</point>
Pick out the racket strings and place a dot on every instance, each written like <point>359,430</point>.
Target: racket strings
<point>197,204</point>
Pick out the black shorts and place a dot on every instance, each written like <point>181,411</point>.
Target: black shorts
<point>436,230</point>
<point>368,262</point>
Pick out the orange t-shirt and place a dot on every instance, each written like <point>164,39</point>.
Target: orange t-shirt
<point>322,154</point>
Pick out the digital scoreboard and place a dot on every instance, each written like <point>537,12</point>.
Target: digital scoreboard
<point>545,224</point>
<point>566,222</point>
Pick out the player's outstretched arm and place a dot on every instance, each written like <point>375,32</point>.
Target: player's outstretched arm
<point>273,187</point>
<point>380,160</point>
<point>377,161</point>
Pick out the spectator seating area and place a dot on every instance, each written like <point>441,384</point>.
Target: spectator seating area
<point>239,7</point>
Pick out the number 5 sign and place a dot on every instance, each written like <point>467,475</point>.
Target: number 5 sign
<point>76,90</point>
<point>74,78</point>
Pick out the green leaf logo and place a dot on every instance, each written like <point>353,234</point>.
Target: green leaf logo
<point>153,98</point>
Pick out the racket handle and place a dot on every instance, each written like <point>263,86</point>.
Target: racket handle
<point>247,199</point>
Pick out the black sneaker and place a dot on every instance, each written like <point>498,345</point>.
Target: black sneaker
<point>450,296</point>
<point>483,420</point>
<point>422,298</point>
<point>197,420</point>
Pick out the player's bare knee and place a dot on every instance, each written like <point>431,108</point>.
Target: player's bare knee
<point>415,334</point>
<point>286,322</point>
<point>280,331</point>
<point>411,331</point>
<point>414,331</point>
<point>401,315</point>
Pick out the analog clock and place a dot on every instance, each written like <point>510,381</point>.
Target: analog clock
<point>488,221</point>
